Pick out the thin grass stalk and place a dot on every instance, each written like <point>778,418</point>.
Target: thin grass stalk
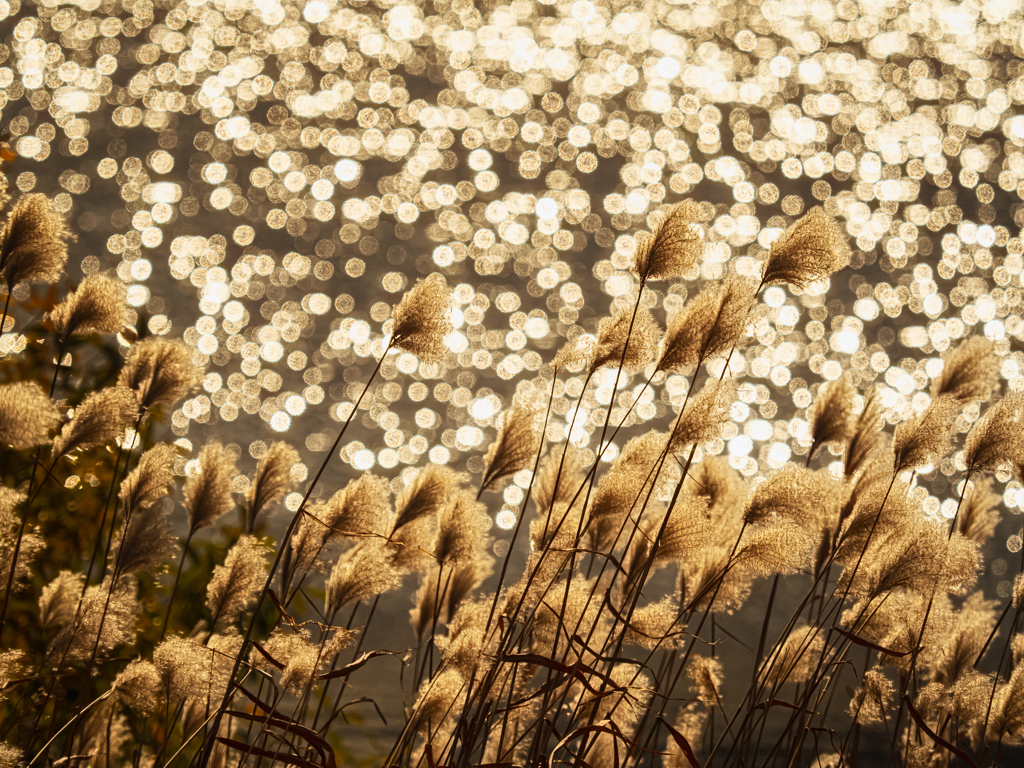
<point>334,663</point>
<point>174,588</point>
<point>207,748</point>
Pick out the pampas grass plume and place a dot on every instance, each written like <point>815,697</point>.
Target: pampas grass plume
<point>26,415</point>
<point>969,373</point>
<point>101,418</point>
<point>612,336</point>
<point>811,249</point>
<point>515,446</point>
<point>33,242</point>
<point>234,585</point>
<point>207,494</point>
<point>97,305</point>
<point>271,482</point>
<point>709,325</point>
<point>159,371</point>
<point>421,320</point>
<point>925,438</point>
<point>675,245</point>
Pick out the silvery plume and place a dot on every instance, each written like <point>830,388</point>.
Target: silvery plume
<point>33,242</point>
<point>708,325</point>
<point>924,439</point>
<point>272,480</point>
<point>675,245</point>
<point>101,418</point>
<point>27,415</point>
<point>97,305</point>
<point>234,585</point>
<point>10,524</point>
<point>207,495</point>
<point>969,373</point>
<point>420,321</point>
<point>159,371</point>
<point>811,249</point>
<point>626,339</point>
<point>831,414</point>
<point>514,448</point>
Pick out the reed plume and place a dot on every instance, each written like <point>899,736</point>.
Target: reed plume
<point>964,640</point>
<point>102,624</point>
<point>926,438</point>
<point>706,676</point>
<point>630,476</point>
<point>421,319</point>
<point>831,415</point>
<point>656,625</point>
<point>712,478</point>
<point>515,446</point>
<point>686,531</point>
<point>622,333</point>
<point>144,542</point>
<point>704,416</point>
<point>559,476</point>
<point>969,373</point>
<point>33,242</point>
<point>139,686</point>
<point>207,495</point>
<point>272,480</point>
<point>864,435</point>
<point>779,547</point>
<point>795,659</point>
<point>303,659</point>
<point>27,415</point>
<point>59,600</point>
<point>804,497</point>
<point>811,249</point>
<point>979,512</point>
<point>710,569</point>
<point>461,526</point>
<point>233,586</point>
<point>160,372</point>
<point>997,436</point>
<point>362,572</point>
<point>674,247</point>
<point>425,496</point>
<point>708,326</point>
<point>101,418</point>
<point>150,481</point>
<point>96,306</point>
<point>872,700</point>
<point>31,543</point>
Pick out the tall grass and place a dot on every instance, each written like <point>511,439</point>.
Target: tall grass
<point>611,648</point>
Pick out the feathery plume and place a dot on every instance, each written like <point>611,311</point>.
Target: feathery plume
<point>629,479</point>
<point>97,305</point>
<point>466,577</point>
<point>628,696</point>
<point>425,602</point>
<point>421,320</point>
<point>675,245</point>
<point>699,575</point>
<point>466,643</point>
<point>704,416</point>
<point>1017,594</point>
<point>515,446</point>
<point>613,333</point>
<point>575,353</point>
<point>159,371</point>
<point>705,675</point>
<point>101,418</point>
<point>139,686</point>
<point>690,724</point>
<point>555,528</point>
<point>234,585</point>
<point>969,373</point>
<point>687,530</point>
<point>709,325</point>
<point>303,659</point>
<point>145,542</point>
<point>10,756</point>
<point>551,621</point>
<point>117,620</point>
<point>207,494</point>
<point>781,547</point>
<point>871,701</point>
<point>796,494</point>
<point>864,435</point>
<point>461,527</point>
<point>795,659</point>
<point>361,507</point>
<point>564,467</point>
<point>873,508</point>
<point>362,572</point>
<point>656,625</point>
<point>996,436</point>
<point>725,491</point>
<point>59,600</point>
<point>925,439</point>
<point>10,524</point>
<point>26,415</point>
<point>979,513</point>
<point>967,698</point>
<point>272,480</point>
<point>438,698</point>
<point>830,416</point>
<point>965,639</point>
<point>149,482</point>
<point>33,242</point>
<point>425,495</point>
<point>811,249</point>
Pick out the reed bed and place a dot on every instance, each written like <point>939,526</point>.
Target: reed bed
<point>608,649</point>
